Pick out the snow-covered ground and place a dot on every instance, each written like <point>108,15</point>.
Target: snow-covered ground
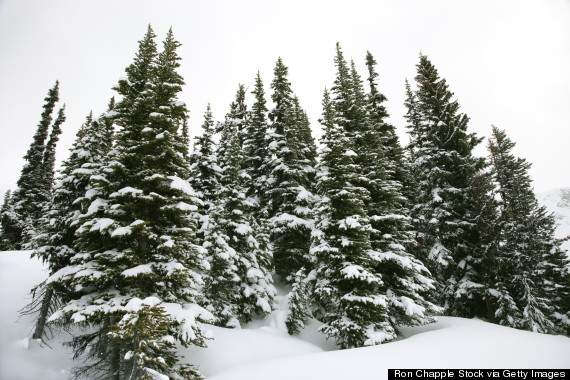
<point>263,349</point>
<point>558,202</point>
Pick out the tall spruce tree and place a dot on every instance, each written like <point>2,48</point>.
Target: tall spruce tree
<point>346,287</point>
<point>533,269</point>
<point>288,182</point>
<point>205,172</point>
<point>307,147</point>
<point>136,275</point>
<point>396,164</point>
<point>204,165</point>
<point>34,186</point>
<point>443,166</point>
<point>9,226</point>
<point>482,298</point>
<point>362,227</point>
<point>55,244</point>
<point>239,284</point>
<point>256,152</point>
<point>383,168</point>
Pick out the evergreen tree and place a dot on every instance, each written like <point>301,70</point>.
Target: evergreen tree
<point>136,258</point>
<point>36,179</point>
<point>365,280</point>
<point>407,282</point>
<point>484,272</point>
<point>205,172</point>
<point>533,273</point>
<point>238,284</point>
<point>288,182</point>
<point>256,152</point>
<point>298,301</point>
<point>307,147</point>
<point>346,287</point>
<point>55,244</point>
<point>9,226</point>
<point>443,166</point>
<point>396,164</point>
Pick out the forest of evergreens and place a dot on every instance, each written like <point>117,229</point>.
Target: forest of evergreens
<point>150,235</point>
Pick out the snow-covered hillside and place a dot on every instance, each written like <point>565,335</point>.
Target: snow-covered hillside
<point>558,202</point>
<point>263,350</point>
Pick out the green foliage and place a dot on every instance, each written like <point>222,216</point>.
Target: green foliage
<point>238,284</point>
<point>136,237</point>
<point>444,167</point>
<point>146,332</point>
<point>531,266</point>
<point>289,189</point>
<point>346,288</point>
<point>21,222</point>
<point>299,303</point>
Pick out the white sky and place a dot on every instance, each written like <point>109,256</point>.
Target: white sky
<point>508,62</point>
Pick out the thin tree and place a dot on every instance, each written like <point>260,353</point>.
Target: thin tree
<point>533,272</point>
<point>288,185</point>
<point>33,190</point>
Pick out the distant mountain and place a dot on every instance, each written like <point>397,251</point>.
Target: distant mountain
<point>558,202</point>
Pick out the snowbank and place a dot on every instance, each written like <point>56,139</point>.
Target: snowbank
<point>263,350</point>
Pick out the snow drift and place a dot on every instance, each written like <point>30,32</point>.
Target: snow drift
<point>263,349</point>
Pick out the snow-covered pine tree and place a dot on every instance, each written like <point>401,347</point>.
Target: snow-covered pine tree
<point>307,147</point>
<point>534,268</point>
<point>396,164</point>
<point>34,186</point>
<point>239,114</point>
<point>485,264</point>
<point>204,165</point>
<point>136,258</point>
<point>256,152</point>
<point>32,225</point>
<point>238,284</point>
<point>443,166</point>
<point>299,301</point>
<point>347,296</point>
<point>383,167</point>
<point>55,243</point>
<point>205,172</point>
<point>288,185</point>
<point>10,231</point>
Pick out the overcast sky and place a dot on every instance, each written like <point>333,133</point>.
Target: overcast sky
<point>508,62</point>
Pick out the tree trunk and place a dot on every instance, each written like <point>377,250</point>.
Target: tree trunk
<point>44,310</point>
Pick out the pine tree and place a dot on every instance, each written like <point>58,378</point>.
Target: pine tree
<point>238,284</point>
<point>136,240</point>
<point>9,227</point>
<point>346,287</point>
<point>484,272</point>
<point>55,244</point>
<point>205,172</point>
<point>36,179</point>
<point>396,164</point>
<point>534,273</point>
<point>307,147</point>
<point>288,182</point>
<point>407,282</point>
<point>299,302</point>
<point>443,166</point>
<point>256,152</point>
<point>365,283</point>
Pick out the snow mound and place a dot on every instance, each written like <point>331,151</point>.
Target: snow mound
<point>449,343</point>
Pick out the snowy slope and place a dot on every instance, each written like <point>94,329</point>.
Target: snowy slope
<point>558,202</point>
<point>263,350</point>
